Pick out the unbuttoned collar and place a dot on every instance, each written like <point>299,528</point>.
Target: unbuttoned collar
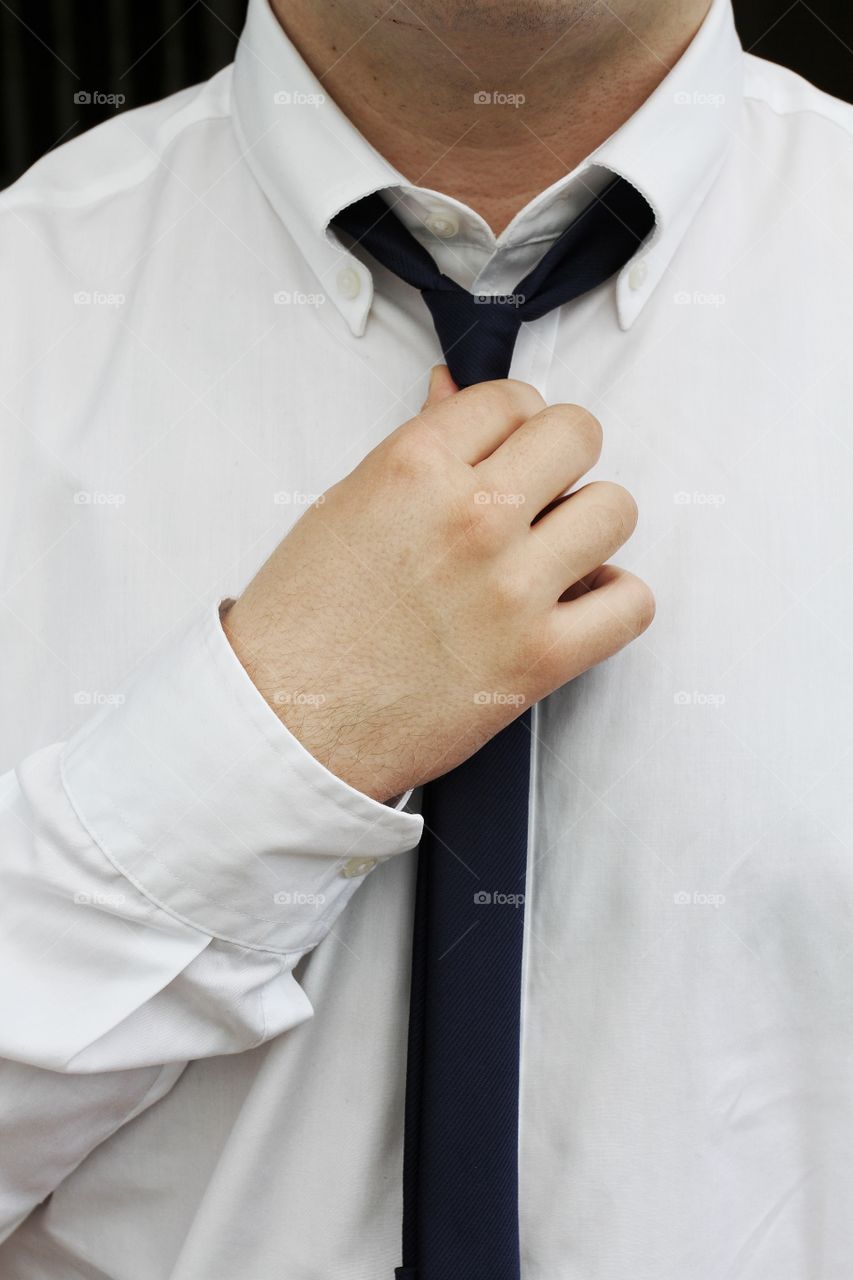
<point>311,162</point>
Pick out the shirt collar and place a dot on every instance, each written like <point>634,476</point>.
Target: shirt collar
<point>311,161</point>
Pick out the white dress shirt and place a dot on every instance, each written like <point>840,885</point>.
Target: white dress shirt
<point>188,358</point>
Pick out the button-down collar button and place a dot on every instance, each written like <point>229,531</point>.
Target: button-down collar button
<point>443,223</point>
<point>348,282</point>
<point>357,867</point>
<point>637,273</point>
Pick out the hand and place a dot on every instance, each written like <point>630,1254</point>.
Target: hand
<point>421,605</point>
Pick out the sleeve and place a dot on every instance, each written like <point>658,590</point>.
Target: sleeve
<point>161,875</point>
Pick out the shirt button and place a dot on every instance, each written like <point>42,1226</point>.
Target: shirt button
<point>443,223</point>
<point>637,274</point>
<point>357,867</point>
<point>349,282</point>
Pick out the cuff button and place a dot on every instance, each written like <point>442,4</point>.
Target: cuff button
<point>357,867</point>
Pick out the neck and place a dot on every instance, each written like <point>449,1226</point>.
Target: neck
<point>570,72</point>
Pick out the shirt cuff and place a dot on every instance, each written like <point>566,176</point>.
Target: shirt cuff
<point>199,795</point>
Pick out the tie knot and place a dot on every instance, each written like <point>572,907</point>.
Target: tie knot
<point>477,332</point>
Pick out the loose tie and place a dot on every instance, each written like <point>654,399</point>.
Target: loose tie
<point>460,1174</point>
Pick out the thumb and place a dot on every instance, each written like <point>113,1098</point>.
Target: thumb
<point>441,385</point>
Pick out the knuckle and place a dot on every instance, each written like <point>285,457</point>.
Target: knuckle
<point>603,528</point>
<point>584,427</point>
<point>642,606</point>
<point>516,387</point>
<point>513,394</point>
<point>588,431</point>
<point>634,600</point>
<point>409,454</point>
<point>617,506</point>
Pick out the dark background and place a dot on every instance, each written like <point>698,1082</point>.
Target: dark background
<point>51,50</point>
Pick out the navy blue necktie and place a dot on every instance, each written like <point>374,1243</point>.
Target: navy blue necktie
<point>460,1177</point>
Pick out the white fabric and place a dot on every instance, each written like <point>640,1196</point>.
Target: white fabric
<point>687,1102</point>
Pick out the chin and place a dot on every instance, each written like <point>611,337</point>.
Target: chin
<point>511,16</point>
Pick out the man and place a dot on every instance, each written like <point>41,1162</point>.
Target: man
<point>196,354</point>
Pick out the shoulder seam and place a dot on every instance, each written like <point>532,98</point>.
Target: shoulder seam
<point>134,176</point>
<point>794,108</point>
<point>800,111</point>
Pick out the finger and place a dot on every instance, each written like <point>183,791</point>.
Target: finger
<point>546,455</point>
<point>474,422</point>
<point>441,385</point>
<point>579,534</point>
<point>610,610</point>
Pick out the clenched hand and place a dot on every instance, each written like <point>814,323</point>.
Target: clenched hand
<point>442,587</point>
